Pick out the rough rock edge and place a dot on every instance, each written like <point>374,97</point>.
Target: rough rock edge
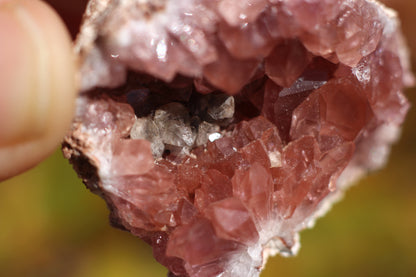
<point>89,166</point>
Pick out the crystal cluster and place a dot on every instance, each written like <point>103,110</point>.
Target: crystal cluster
<point>178,129</point>
<point>216,130</point>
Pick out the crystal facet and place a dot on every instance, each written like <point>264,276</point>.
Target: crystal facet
<point>217,130</point>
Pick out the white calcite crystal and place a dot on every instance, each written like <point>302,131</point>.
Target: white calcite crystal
<point>217,130</point>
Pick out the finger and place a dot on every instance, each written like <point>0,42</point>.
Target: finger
<point>37,84</point>
<point>71,12</point>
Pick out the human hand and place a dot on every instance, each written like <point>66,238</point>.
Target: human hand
<point>37,84</point>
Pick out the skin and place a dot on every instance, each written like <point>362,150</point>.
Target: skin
<point>38,84</point>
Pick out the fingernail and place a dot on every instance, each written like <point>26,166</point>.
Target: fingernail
<point>13,68</point>
<point>27,68</point>
<point>37,83</point>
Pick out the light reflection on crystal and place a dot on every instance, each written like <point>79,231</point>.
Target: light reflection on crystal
<point>312,97</point>
<point>161,50</point>
<point>213,137</point>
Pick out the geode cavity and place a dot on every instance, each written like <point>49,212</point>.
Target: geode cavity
<point>216,130</point>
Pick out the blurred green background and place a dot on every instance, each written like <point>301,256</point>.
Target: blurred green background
<point>50,225</point>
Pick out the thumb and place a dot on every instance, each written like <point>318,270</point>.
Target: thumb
<point>37,84</point>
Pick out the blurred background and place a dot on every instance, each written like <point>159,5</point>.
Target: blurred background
<point>51,225</point>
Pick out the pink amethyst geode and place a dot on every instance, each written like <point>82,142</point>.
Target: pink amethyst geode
<point>216,130</point>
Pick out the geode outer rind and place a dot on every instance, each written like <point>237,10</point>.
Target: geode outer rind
<point>318,88</point>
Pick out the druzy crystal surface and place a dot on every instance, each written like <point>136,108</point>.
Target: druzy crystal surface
<point>216,130</point>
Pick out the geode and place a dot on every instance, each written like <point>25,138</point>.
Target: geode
<point>216,130</point>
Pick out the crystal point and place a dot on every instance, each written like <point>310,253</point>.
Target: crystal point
<point>217,130</point>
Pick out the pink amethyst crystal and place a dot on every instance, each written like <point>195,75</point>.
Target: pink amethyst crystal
<point>216,130</point>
